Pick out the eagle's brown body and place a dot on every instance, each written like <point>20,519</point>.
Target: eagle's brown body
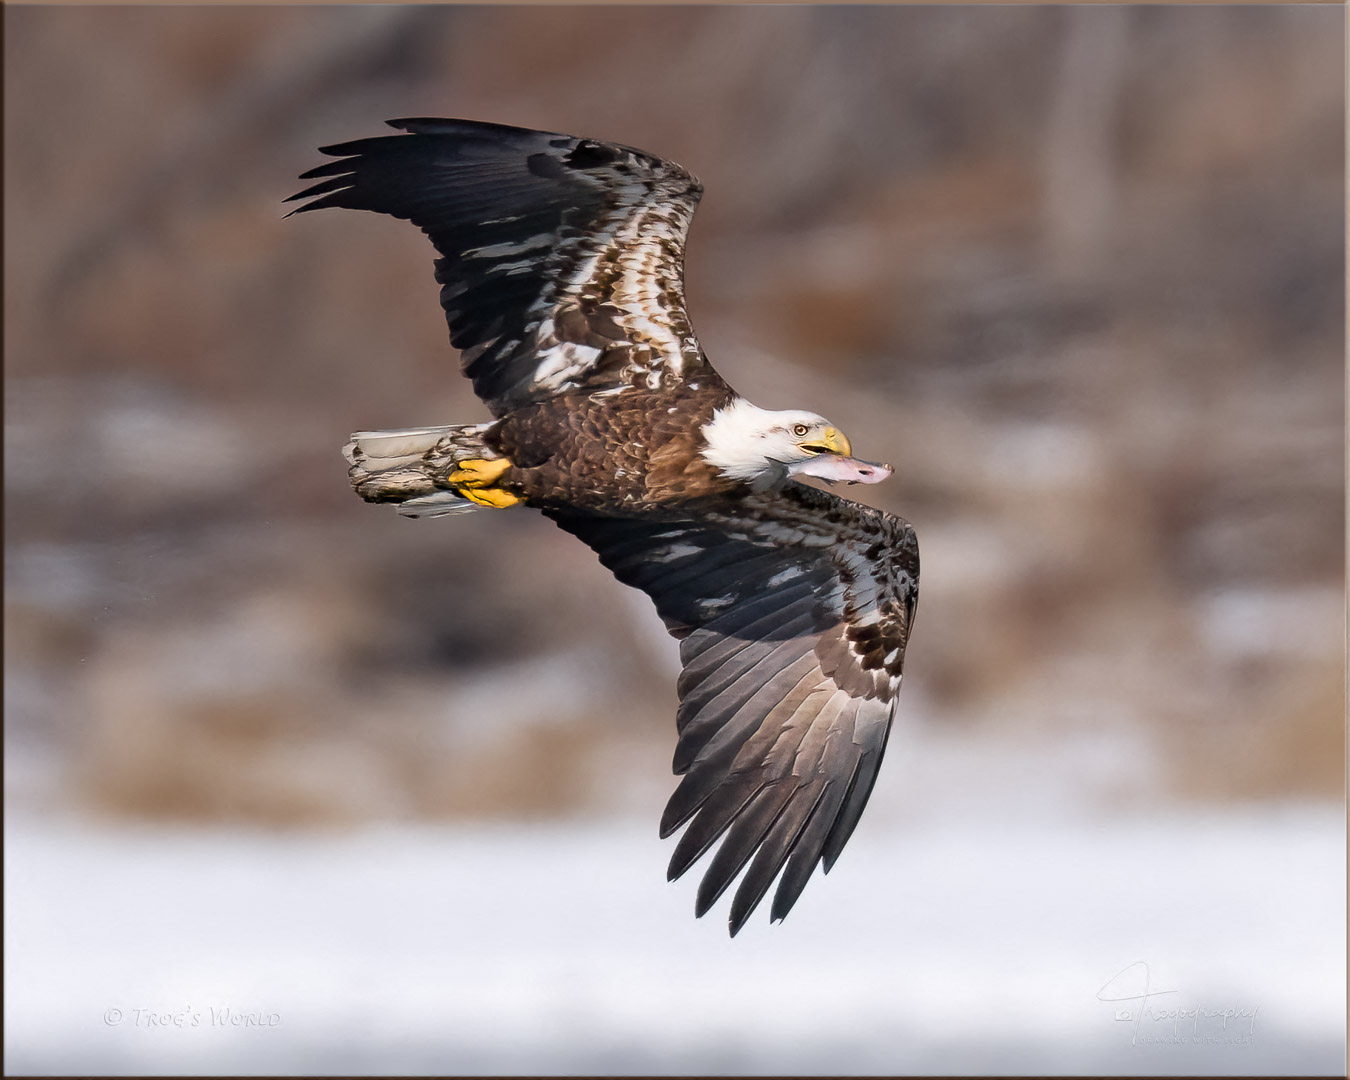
<point>561,266</point>
<point>646,447</point>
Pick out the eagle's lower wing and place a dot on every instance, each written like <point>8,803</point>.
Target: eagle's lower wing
<point>793,611</point>
<point>562,259</point>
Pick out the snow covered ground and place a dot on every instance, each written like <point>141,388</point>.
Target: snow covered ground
<point>946,946</point>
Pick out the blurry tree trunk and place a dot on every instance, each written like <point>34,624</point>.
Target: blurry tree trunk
<point>290,76</point>
<point>1079,186</point>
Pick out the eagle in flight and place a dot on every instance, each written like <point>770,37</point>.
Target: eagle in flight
<point>561,270</point>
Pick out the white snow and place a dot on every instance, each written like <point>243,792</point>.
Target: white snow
<point>935,946</point>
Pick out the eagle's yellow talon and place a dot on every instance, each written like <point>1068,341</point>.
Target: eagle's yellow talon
<point>478,472</point>
<point>473,479</point>
<point>497,498</point>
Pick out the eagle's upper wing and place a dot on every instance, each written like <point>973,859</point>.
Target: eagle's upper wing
<point>562,259</point>
<point>793,610</point>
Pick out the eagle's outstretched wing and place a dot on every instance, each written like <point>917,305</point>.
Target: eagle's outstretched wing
<point>793,609</point>
<point>562,259</point>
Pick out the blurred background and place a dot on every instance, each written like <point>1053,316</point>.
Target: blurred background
<point>1077,272</point>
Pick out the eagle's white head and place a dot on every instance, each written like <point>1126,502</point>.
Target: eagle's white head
<point>764,448</point>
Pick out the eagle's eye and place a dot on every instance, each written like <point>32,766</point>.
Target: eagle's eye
<point>799,430</point>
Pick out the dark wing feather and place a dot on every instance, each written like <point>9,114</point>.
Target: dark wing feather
<point>793,610</point>
<point>562,259</point>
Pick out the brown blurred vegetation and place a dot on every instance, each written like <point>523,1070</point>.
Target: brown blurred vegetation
<point>1078,272</point>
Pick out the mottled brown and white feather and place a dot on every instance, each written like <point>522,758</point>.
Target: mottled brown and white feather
<point>562,259</point>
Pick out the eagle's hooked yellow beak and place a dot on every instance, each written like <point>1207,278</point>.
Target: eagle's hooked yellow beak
<point>832,441</point>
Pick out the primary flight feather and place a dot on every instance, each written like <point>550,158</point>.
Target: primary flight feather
<point>561,266</point>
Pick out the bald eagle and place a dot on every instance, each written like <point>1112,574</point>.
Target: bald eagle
<point>561,271</point>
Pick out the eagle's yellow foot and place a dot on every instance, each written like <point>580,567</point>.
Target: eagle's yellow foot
<point>497,498</point>
<point>474,479</point>
<point>478,472</point>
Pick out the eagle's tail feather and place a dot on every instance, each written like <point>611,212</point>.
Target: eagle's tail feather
<point>438,504</point>
<point>409,466</point>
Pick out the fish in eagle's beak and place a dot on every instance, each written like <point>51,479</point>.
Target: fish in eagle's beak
<point>833,468</point>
